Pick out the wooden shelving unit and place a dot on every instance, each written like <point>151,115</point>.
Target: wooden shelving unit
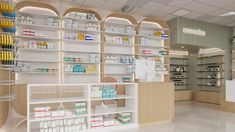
<point>211,71</point>
<point>38,42</point>
<point>118,49</point>
<point>153,46</point>
<point>179,71</point>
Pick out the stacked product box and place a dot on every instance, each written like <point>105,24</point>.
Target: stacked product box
<point>80,108</point>
<point>124,118</point>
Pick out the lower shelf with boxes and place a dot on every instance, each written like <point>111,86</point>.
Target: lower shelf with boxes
<point>79,107</point>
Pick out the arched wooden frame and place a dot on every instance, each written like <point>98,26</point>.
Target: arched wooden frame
<point>123,16</point>
<point>23,4</point>
<point>163,24</point>
<point>82,10</point>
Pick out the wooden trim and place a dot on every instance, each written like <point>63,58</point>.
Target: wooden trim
<point>154,123</point>
<point>23,4</point>
<point>124,16</point>
<point>82,10</point>
<point>20,103</point>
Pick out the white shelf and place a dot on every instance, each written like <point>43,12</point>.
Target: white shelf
<point>153,28</point>
<point>81,63</point>
<point>118,73</point>
<point>36,37</point>
<point>119,44</point>
<point>117,64</point>
<point>120,34</point>
<point>81,30</point>
<point>57,100</point>
<point>37,27</point>
<point>38,50</point>
<point>82,20</point>
<point>152,37</point>
<point>75,73</point>
<point>80,52</point>
<point>109,111</point>
<point>123,54</point>
<point>153,46</point>
<point>118,97</point>
<point>38,73</point>
<point>38,61</point>
<point>54,118</point>
<point>149,55</point>
<point>80,41</point>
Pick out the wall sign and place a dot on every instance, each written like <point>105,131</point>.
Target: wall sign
<point>197,32</point>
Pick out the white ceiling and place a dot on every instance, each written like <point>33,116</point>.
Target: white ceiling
<point>203,10</point>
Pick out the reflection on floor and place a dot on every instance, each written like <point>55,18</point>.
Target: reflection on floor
<point>195,117</point>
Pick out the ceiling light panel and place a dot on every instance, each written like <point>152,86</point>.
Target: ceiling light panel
<point>181,12</point>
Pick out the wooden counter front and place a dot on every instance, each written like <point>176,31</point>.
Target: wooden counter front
<point>155,103</point>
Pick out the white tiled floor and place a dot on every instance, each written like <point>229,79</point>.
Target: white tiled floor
<point>195,117</point>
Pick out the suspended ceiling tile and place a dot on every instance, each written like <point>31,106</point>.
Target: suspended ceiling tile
<point>143,12</point>
<point>94,3</point>
<point>152,5</point>
<point>194,6</point>
<point>217,3</point>
<point>181,12</point>
<point>207,8</point>
<point>204,17</point>
<point>179,3</point>
<point>163,1</point>
<point>118,1</point>
<point>218,12</point>
<point>167,9</point>
<point>193,15</point>
<point>112,6</point>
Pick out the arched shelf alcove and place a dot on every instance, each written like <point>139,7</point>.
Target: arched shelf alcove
<point>154,44</point>
<point>81,35</point>
<point>118,49</point>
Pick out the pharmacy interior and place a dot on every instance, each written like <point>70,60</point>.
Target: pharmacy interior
<point>66,69</point>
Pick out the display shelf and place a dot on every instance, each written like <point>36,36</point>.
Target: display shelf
<point>88,52</point>
<point>38,50</point>
<point>210,78</point>
<point>37,38</point>
<point>53,118</point>
<point>210,64</point>
<point>37,27</point>
<point>81,41</point>
<point>119,44</point>
<point>74,73</point>
<point>117,64</point>
<point>211,70</point>
<point>117,98</point>
<point>57,100</point>
<point>119,34</point>
<point>154,28</point>
<point>151,37</point>
<point>81,20</point>
<point>154,46</point>
<point>81,30</point>
<point>39,73</point>
<point>123,54</point>
<point>110,111</point>
<point>38,61</point>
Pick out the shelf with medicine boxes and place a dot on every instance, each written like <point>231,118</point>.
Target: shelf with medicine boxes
<point>81,34</point>
<point>179,69</point>
<point>7,49</point>
<point>81,106</point>
<point>38,48</point>
<point>153,45</point>
<point>119,37</point>
<point>211,70</point>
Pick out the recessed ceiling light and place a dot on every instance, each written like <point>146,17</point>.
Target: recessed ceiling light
<point>182,47</point>
<point>231,13</point>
